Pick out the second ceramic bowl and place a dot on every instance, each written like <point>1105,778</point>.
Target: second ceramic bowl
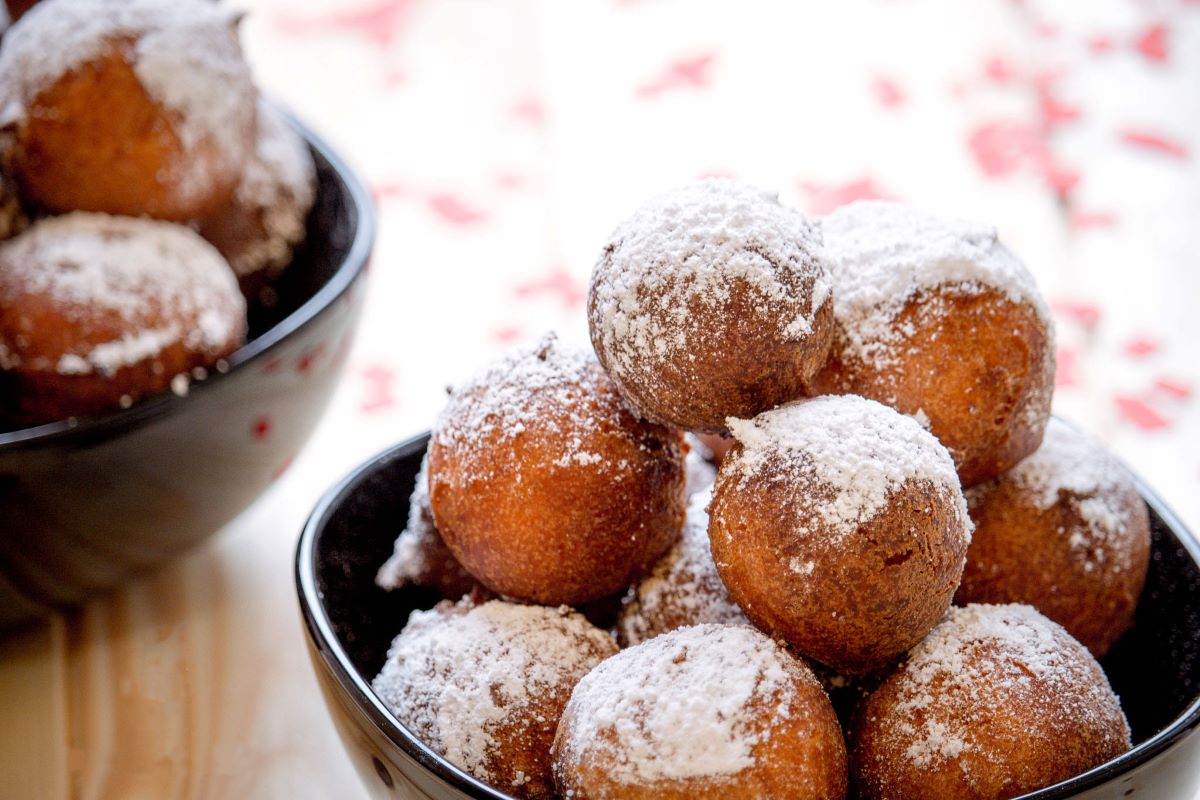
<point>1155,668</point>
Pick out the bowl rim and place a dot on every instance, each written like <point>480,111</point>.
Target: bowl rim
<point>337,663</point>
<point>353,264</point>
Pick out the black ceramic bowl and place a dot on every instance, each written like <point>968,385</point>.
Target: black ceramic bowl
<point>1155,668</point>
<point>84,504</point>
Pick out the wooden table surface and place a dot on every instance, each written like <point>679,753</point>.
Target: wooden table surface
<point>504,140</point>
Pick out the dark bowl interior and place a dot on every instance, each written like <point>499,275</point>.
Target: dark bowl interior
<point>84,503</point>
<point>1155,668</point>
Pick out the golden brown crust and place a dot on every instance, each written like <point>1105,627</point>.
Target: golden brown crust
<point>95,140</point>
<point>1054,559</point>
<point>796,751</point>
<point>65,354</point>
<point>859,606</point>
<point>978,365</point>
<point>574,506</point>
<point>1013,726</point>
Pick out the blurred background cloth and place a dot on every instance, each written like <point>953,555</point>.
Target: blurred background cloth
<point>503,140</point>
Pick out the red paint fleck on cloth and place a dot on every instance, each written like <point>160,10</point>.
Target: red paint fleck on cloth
<point>888,92</point>
<point>825,197</point>
<point>1086,314</point>
<point>1066,370</point>
<point>1176,389</point>
<point>1138,412</point>
<point>381,23</point>
<point>453,209</point>
<point>558,282</point>
<point>1153,141</point>
<point>380,382</point>
<point>1152,42</point>
<point>688,72</point>
<point>1140,347</point>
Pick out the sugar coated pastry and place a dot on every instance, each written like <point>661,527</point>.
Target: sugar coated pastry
<point>682,589</point>
<point>838,525</point>
<point>260,226</point>
<point>485,685</point>
<point>545,486</point>
<point>708,711</point>
<point>937,318</point>
<point>1066,532</point>
<point>420,557</point>
<point>138,107</point>
<point>998,701</point>
<point>711,301</point>
<point>98,311</point>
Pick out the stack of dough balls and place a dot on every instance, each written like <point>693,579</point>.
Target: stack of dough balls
<point>847,377</point>
<point>146,194</point>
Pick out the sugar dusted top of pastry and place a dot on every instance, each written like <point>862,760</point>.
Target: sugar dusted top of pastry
<point>547,387</point>
<point>882,253</point>
<point>683,588</point>
<point>851,451</point>
<point>691,246</point>
<point>1071,467</point>
<point>184,52</point>
<point>983,655</point>
<point>162,281</point>
<point>456,675</point>
<point>690,703</point>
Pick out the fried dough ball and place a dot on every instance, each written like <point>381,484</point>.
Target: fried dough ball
<point>997,702</point>
<point>938,319</point>
<point>1066,532</point>
<point>484,685</point>
<point>709,711</point>
<point>711,301</point>
<point>138,107</point>
<point>420,557</point>
<point>265,219</point>
<point>98,311</point>
<point>543,484</point>
<point>838,525</point>
<point>717,446</point>
<point>682,589</point>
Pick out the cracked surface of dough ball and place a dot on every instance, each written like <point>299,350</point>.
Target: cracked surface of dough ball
<point>485,684</point>
<point>1066,532</point>
<point>711,301</point>
<point>938,319</point>
<point>137,107</point>
<point>708,711</point>
<point>97,312</point>
<point>996,702</point>
<point>545,486</point>
<point>838,525</point>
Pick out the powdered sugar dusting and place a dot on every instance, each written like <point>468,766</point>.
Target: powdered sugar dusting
<point>687,704</point>
<point>687,250</point>
<point>184,52</point>
<point>700,473</point>
<point>855,451</point>
<point>278,188</point>
<point>881,254</point>
<point>459,677</point>
<point>548,384</point>
<point>1071,467</point>
<point>162,281</point>
<point>983,655</point>
<point>683,588</point>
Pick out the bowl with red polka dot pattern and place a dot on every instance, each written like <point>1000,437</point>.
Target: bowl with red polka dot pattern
<point>86,503</point>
